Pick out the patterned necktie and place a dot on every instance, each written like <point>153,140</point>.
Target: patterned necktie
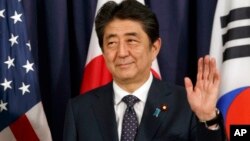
<point>130,123</point>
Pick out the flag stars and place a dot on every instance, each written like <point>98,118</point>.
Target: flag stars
<point>6,84</point>
<point>28,66</point>
<point>16,17</point>
<point>3,106</point>
<point>10,62</point>
<point>1,13</point>
<point>28,45</point>
<point>13,39</point>
<point>24,88</point>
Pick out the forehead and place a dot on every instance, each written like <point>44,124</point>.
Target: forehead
<point>123,27</point>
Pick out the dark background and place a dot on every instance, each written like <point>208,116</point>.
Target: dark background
<point>60,32</point>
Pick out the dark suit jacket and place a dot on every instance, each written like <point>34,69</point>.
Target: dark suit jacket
<point>91,117</point>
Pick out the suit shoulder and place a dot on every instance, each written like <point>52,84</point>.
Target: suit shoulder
<point>171,87</point>
<point>171,90</point>
<point>89,96</point>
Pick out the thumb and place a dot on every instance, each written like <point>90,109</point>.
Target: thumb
<point>188,85</point>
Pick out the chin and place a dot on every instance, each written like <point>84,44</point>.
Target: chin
<point>125,77</point>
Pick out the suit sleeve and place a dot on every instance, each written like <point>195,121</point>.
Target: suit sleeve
<point>69,132</point>
<point>201,133</point>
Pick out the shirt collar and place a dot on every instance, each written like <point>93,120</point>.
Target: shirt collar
<point>141,92</point>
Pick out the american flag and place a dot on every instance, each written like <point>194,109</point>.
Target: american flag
<point>21,112</point>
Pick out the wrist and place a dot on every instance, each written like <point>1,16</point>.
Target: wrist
<point>212,123</point>
<point>214,127</point>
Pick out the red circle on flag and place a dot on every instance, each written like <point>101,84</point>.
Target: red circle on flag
<point>239,110</point>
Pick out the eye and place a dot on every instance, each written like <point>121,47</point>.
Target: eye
<point>132,41</point>
<point>112,44</point>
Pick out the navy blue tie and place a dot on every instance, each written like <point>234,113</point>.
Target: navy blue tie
<point>130,122</point>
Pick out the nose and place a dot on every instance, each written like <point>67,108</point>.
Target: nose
<point>123,50</point>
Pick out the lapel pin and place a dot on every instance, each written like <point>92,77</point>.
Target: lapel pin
<point>164,107</point>
<point>157,112</point>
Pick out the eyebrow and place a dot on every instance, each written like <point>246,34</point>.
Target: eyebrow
<point>131,34</point>
<point>126,34</point>
<point>111,36</point>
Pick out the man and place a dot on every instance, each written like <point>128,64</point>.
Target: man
<point>128,34</point>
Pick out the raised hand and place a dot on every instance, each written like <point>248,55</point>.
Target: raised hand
<point>203,96</point>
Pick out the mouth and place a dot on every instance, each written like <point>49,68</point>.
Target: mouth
<point>124,65</point>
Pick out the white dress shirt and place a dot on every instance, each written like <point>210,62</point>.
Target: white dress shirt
<point>120,106</point>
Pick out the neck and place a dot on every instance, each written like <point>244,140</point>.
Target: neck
<point>131,85</point>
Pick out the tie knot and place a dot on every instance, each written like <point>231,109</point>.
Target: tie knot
<point>130,100</point>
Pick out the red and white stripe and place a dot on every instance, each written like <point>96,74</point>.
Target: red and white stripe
<point>32,126</point>
<point>96,73</point>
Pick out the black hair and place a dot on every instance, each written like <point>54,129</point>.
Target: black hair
<point>127,9</point>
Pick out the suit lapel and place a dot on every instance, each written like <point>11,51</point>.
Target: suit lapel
<point>104,111</point>
<point>150,123</point>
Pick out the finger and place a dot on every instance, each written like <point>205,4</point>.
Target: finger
<point>216,79</point>
<point>188,85</point>
<point>212,68</point>
<point>206,67</point>
<point>199,69</point>
<point>215,72</point>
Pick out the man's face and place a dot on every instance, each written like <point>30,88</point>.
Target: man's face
<point>128,52</point>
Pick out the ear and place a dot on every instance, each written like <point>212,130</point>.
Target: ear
<point>156,46</point>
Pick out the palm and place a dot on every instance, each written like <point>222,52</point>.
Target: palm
<point>203,96</point>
